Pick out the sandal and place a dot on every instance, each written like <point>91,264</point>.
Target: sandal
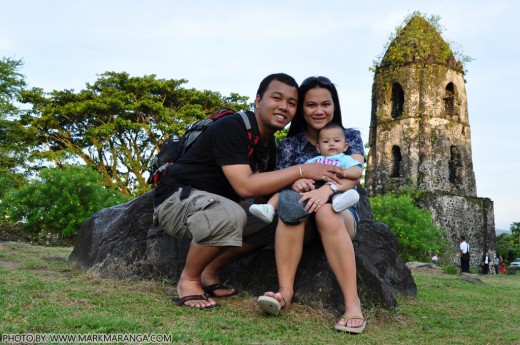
<point>210,290</point>
<point>271,305</point>
<point>355,330</point>
<point>181,301</point>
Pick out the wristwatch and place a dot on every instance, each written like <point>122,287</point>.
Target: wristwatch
<point>333,186</point>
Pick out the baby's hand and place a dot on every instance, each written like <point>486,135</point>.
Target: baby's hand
<point>303,185</point>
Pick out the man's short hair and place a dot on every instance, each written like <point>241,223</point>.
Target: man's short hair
<point>281,77</point>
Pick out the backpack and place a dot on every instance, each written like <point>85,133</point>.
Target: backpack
<point>176,147</point>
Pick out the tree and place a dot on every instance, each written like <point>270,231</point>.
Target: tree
<point>59,201</point>
<point>11,83</point>
<point>417,236</point>
<point>515,230</point>
<point>508,245</point>
<point>13,155</point>
<point>118,124</point>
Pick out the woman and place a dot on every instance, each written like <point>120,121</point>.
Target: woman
<point>318,105</point>
<point>502,265</point>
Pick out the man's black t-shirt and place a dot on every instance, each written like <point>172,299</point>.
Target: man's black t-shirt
<point>224,143</point>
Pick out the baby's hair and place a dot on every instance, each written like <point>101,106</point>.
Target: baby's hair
<point>331,125</point>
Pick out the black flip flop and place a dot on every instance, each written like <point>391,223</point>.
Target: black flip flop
<point>210,290</point>
<point>180,301</point>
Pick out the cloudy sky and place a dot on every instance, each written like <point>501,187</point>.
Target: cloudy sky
<point>229,46</point>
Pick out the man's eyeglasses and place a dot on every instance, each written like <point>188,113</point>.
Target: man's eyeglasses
<point>316,80</point>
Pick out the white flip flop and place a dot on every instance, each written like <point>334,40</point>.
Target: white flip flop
<point>355,330</point>
<point>269,304</point>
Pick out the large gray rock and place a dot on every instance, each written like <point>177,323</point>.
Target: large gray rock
<point>121,242</point>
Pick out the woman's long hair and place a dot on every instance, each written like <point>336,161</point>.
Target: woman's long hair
<point>298,124</point>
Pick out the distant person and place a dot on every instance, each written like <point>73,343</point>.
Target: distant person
<point>332,145</point>
<point>502,265</point>
<point>435,258</point>
<point>464,255</point>
<point>496,264</point>
<point>485,262</point>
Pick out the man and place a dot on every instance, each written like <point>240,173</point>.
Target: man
<point>486,261</point>
<point>496,263</point>
<point>464,255</point>
<point>204,199</point>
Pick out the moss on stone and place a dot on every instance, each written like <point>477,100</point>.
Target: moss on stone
<point>419,42</point>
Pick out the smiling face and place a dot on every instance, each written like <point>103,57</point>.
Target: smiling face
<point>318,108</point>
<point>331,141</point>
<point>277,107</point>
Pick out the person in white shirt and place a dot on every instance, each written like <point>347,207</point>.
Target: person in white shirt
<point>464,255</point>
<point>497,264</point>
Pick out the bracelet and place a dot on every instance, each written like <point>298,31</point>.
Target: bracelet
<point>299,167</point>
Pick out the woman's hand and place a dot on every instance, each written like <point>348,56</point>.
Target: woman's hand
<point>322,172</point>
<point>316,198</point>
<point>303,185</point>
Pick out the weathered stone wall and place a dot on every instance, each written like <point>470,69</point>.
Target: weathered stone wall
<point>464,215</point>
<point>420,135</point>
<point>435,146</point>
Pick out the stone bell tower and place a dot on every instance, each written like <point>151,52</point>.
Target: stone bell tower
<point>420,135</point>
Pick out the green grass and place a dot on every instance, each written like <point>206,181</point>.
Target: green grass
<point>40,292</point>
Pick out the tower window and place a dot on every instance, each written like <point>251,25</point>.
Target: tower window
<point>396,162</point>
<point>449,100</point>
<point>455,166</point>
<point>397,100</point>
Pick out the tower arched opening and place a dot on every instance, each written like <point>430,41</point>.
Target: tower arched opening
<point>397,100</point>
<point>396,161</point>
<point>455,166</point>
<point>449,100</point>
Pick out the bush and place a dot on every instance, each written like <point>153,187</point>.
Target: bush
<point>417,236</point>
<point>59,201</point>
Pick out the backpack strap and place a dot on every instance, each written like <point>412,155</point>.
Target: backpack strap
<point>161,175</point>
<point>253,139</point>
<point>246,120</point>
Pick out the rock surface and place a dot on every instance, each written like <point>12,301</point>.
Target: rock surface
<point>121,242</point>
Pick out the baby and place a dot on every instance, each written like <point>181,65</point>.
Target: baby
<point>331,145</point>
